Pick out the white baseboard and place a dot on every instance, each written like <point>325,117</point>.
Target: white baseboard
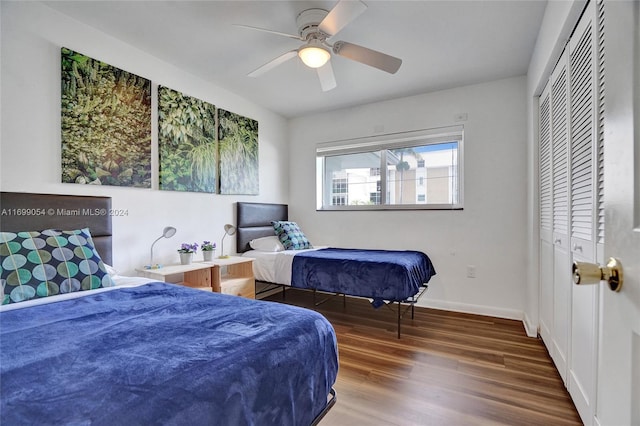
<point>490,311</point>
<point>529,328</point>
<point>466,308</point>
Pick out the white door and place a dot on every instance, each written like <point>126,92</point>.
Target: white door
<point>618,397</point>
<point>561,255</point>
<point>546,221</point>
<point>584,103</point>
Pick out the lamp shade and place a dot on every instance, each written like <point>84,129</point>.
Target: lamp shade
<point>228,230</point>
<point>167,232</point>
<point>314,55</point>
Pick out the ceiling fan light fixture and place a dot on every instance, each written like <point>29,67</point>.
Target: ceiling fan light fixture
<point>314,56</point>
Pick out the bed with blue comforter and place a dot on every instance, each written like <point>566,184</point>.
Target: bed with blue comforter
<point>164,354</point>
<point>381,275</point>
<point>384,276</point>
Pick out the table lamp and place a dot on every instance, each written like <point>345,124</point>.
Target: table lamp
<point>228,230</point>
<point>168,232</point>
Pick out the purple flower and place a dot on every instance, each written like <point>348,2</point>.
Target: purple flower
<point>188,248</point>
<point>208,246</point>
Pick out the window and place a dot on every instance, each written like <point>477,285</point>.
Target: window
<point>337,200</point>
<point>339,186</point>
<point>339,192</point>
<point>412,170</point>
<point>375,197</point>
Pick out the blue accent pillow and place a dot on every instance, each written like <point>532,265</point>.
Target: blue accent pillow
<point>290,235</point>
<point>40,264</point>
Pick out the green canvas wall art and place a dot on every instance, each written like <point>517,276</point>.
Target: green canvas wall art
<point>186,142</point>
<point>106,123</point>
<point>238,137</point>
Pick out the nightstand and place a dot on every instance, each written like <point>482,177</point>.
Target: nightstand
<point>196,275</point>
<point>232,275</point>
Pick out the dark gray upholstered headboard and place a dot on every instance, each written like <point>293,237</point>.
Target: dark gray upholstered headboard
<point>36,212</point>
<point>254,221</point>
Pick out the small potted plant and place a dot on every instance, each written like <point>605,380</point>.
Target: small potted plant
<point>186,251</point>
<point>208,250</point>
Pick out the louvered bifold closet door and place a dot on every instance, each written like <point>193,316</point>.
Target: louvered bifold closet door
<point>560,150</point>
<point>583,78</point>
<point>584,131</point>
<point>560,206</point>
<point>546,218</point>
<point>571,177</point>
<point>600,152</point>
<point>546,183</point>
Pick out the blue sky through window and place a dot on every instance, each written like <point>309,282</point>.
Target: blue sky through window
<point>436,147</point>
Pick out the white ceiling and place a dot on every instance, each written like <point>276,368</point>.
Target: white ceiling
<point>443,44</point>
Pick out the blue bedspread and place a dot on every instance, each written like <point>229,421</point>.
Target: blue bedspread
<point>164,354</point>
<point>376,274</point>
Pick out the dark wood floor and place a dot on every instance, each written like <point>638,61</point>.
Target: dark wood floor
<point>447,369</point>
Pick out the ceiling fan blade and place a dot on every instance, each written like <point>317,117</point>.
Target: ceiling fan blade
<point>268,31</point>
<point>274,63</point>
<point>370,57</point>
<point>341,14</point>
<point>326,76</point>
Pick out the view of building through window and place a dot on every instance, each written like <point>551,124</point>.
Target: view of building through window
<point>416,175</point>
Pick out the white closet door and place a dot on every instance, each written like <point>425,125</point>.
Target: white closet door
<point>560,147</point>
<point>571,135</point>
<point>583,134</point>
<point>560,174</point>
<point>600,148</point>
<point>583,72</point>
<point>546,219</point>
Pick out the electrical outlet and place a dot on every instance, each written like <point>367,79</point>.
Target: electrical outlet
<point>471,271</point>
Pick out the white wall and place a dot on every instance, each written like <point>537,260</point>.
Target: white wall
<point>32,35</point>
<point>489,233</point>
<point>558,22</point>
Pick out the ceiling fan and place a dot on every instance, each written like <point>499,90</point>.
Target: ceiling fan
<point>316,27</point>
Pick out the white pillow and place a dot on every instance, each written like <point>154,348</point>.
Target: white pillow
<point>111,270</point>
<point>267,244</point>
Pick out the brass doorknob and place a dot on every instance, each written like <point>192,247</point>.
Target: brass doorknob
<point>590,273</point>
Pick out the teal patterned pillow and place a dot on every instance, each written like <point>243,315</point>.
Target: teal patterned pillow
<point>290,235</point>
<point>40,264</point>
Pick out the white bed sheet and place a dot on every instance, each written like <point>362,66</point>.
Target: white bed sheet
<point>119,280</point>
<point>263,264</point>
<point>274,267</point>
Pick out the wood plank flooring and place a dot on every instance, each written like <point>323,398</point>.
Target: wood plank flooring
<point>447,369</point>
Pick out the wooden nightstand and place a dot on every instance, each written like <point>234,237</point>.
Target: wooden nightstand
<point>233,275</point>
<point>196,275</point>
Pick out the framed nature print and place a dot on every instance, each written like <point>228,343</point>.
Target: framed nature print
<point>238,138</point>
<point>187,142</point>
<point>106,123</point>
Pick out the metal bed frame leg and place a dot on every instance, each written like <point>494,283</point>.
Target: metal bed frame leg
<point>412,301</point>
<point>399,318</point>
<point>330,403</point>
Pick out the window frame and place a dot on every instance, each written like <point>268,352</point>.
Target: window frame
<point>382,143</point>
